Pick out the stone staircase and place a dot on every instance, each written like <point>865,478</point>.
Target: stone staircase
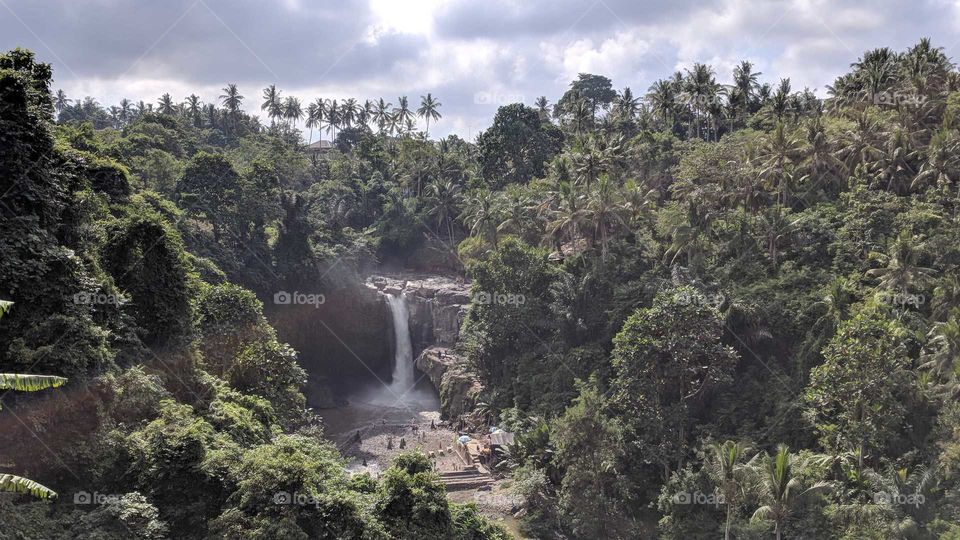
<point>466,478</point>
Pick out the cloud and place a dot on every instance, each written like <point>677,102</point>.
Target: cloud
<point>472,55</point>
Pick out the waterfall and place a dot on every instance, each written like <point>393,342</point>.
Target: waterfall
<point>403,369</point>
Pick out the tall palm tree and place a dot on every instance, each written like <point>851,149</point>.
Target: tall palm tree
<point>364,112</point>
<point>480,214</point>
<point>381,113</point>
<point>901,270</point>
<point>311,120</point>
<point>195,109</point>
<point>271,99</point>
<point>403,114</point>
<point>333,119</point>
<point>60,101</point>
<point>700,89</point>
<point>126,111</point>
<point>543,108</point>
<point>166,105</point>
<point>231,99</point>
<point>626,104</point>
<point>292,110</point>
<point>727,467</point>
<point>662,99</point>
<point>429,110</point>
<point>603,213</point>
<point>782,490</point>
<point>747,82</point>
<point>443,202</point>
<point>942,352</point>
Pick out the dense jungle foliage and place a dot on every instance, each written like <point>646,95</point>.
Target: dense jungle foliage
<point>729,309</point>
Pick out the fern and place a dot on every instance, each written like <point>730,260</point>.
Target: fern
<point>11,483</point>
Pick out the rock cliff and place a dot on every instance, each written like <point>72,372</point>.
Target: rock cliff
<point>437,308</point>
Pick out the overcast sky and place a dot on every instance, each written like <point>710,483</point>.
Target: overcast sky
<point>473,55</point>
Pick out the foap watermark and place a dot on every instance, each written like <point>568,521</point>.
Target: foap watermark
<point>297,298</point>
<point>688,298</point>
<point>85,497</point>
<point>496,98</point>
<point>899,98</point>
<point>899,499</point>
<point>697,497</point>
<point>98,298</point>
<point>500,299</point>
<point>296,499</point>
<point>901,300</point>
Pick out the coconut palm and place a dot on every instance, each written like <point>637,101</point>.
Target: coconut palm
<point>901,270</point>
<point>381,113</point>
<point>662,98</point>
<point>402,113</point>
<point>194,108</point>
<point>745,80</point>
<point>443,202</point>
<point>727,466</point>
<point>943,348</point>
<point>543,108</point>
<point>60,101</point>
<point>626,105</point>
<point>333,119</point>
<point>292,110</point>
<point>272,103</point>
<point>481,214</point>
<point>312,120</point>
<point>429,110</point>
<point>603,213</point>
<point>349,112</point>
<point>782,490</point>
<point>231,100</point>
<point>165,105</point>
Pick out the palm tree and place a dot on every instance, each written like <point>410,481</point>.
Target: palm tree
<point>782,490</point>
<point>943,348</point>
<point>231,99</point>
<point>902,269</point>
<point>60,101</point>
<point>781,100</point>
<point>745,80</point>
<point>726,467</point>
<point>700,89</point>
<point>517,215</point>
<point>443,201</point>
<point>292,110</point>
<point>543,108</point>
<point>428,110</point>
<point>604,212</point>
<point>312,121</point>
<point>272,103</point>
<point>348,112</point>
<point>333,119</point>
<point>480,214</point>
<point>126,110</point>
<point>195,109</point>
<point>626,104</point>
<point>381,113</point>
<point>402,114</point>
<point>662,99</point>
<point>165,104</point>
<point>12,483</point>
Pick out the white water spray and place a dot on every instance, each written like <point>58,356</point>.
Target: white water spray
<point>403,369</point>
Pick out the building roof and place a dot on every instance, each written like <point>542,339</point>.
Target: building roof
<point>320,146</point>
<point>501,438</point>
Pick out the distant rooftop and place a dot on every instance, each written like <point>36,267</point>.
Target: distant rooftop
<point>320,146</point>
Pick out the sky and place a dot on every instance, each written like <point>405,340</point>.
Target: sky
<point>471,55</point>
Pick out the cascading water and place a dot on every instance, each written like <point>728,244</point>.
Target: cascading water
<point>404,376</point>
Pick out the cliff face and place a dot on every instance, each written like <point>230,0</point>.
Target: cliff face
<point>437,308</point>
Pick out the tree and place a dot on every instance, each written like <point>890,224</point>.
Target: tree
<point>271,102</point>
<point>428,110</point>
<point>231,100</point>
<point>856,397</point>
<point>588,449</point>
<point>292,110</point>
<point>667,360</point>
<point>782,490</point>
<point>60,101</point>
<point>727,466</point>
<point>11,483</point>
<point>516,146</point>
<point>402,113</point>
<point>596,91</point>
<point>166,105</point>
